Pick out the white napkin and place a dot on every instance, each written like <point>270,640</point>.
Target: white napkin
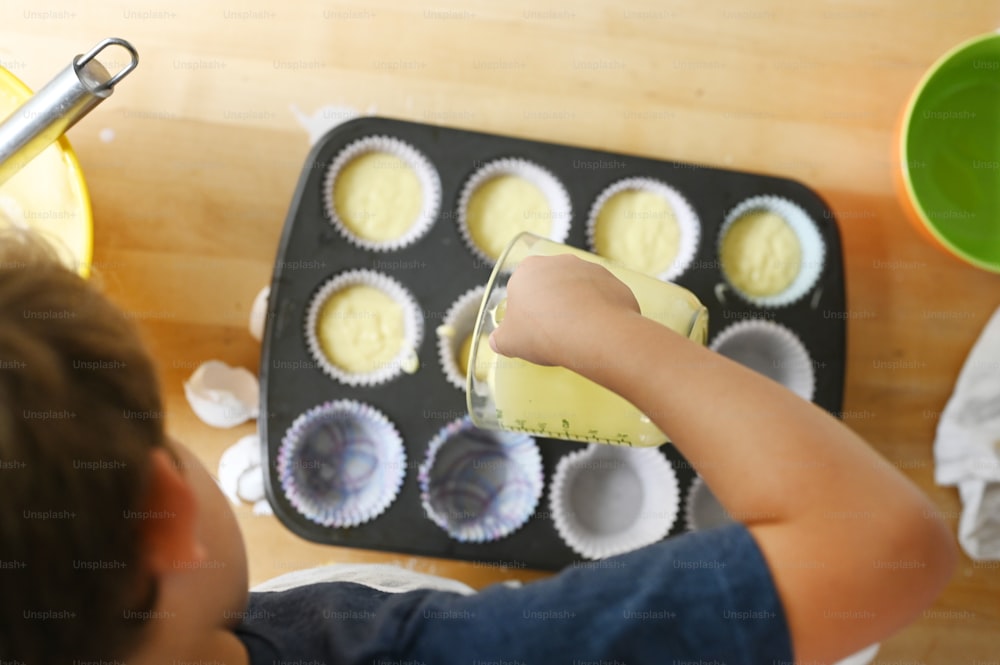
<point>967,446</point>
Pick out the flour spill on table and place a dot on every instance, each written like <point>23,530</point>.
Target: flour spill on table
<point>326,118</point>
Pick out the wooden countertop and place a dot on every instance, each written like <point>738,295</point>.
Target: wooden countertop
<point>191,184</point>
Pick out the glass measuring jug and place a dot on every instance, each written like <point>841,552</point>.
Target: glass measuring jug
<point>513,394</point>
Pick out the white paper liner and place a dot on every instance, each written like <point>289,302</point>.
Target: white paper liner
<point>222,396</point>
<point>606,500</point>
<point>553,190</point>
<point>413,327</point>
<point>811,245</point>
<point>458,323</point>
<point>702,510</point>
<point>687,220</point>
<point>480,485</point>
<point>430,187</point>
<point>770,349</point>
<point>341,463</point>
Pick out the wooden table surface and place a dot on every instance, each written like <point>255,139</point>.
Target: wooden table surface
<point>191,184</point>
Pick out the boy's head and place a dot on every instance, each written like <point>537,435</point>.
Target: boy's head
<point>95,508</point>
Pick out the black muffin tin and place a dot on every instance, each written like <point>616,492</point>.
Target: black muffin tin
<point>439,267</point>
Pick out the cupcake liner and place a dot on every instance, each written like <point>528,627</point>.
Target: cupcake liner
<point>459,322</point>
<point>811,245</point>
<point>555,193</point>
<point>770,349</point>
<point>606,500</point>
<point>687,221</point>
<point>702,510</point>
<point>413,327</point>
<point>430,186</point>
<point>478,389</point>
<point>341,463</point>
<point>480,485</point>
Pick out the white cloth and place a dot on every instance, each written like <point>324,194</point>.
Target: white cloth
<point>391,579</point>
<point>967,445</point>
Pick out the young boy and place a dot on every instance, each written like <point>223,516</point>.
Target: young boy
<point>116,546</point>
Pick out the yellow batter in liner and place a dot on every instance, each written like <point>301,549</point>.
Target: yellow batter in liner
<point>360,329</point>
<point>502,207</point>
<point>377,196</point>
<point>638,229</point>
<point>761,254</point>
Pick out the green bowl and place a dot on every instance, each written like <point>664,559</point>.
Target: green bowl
<point>950,152</point>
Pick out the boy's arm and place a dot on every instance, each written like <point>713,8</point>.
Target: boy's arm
<point>855,550</point>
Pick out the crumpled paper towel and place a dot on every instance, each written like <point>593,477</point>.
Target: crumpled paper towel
<point>967,445</point>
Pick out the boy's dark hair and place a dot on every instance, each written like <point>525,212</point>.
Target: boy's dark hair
<point>80,411</point>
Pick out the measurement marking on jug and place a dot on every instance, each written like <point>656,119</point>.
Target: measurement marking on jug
<point>816,297</point>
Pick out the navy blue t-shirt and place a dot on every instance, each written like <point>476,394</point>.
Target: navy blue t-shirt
<point>704,597</point>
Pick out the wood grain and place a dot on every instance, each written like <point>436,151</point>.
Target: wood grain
<point>191,193</point>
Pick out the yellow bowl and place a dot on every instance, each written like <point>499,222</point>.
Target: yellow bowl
<point>49,194</point>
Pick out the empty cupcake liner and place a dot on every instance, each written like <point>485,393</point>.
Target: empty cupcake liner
<point>560,208</point>
<point>770,349</point>
<point>606,500</point>
<point>430,187</point>
<point>702,510</point>
<point>811,246</point>
<point>459,322</point>
<point>413,327</point>
<point>480,485</point>
<point>341,463</point>
<point>687,221</point>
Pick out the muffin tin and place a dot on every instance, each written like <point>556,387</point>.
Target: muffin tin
<point>438,267</point>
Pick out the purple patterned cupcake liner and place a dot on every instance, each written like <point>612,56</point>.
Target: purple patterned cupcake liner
<point>480,485</point>
<point>341,463</point>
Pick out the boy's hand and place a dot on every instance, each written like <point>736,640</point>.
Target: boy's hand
<point>556,306</point>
